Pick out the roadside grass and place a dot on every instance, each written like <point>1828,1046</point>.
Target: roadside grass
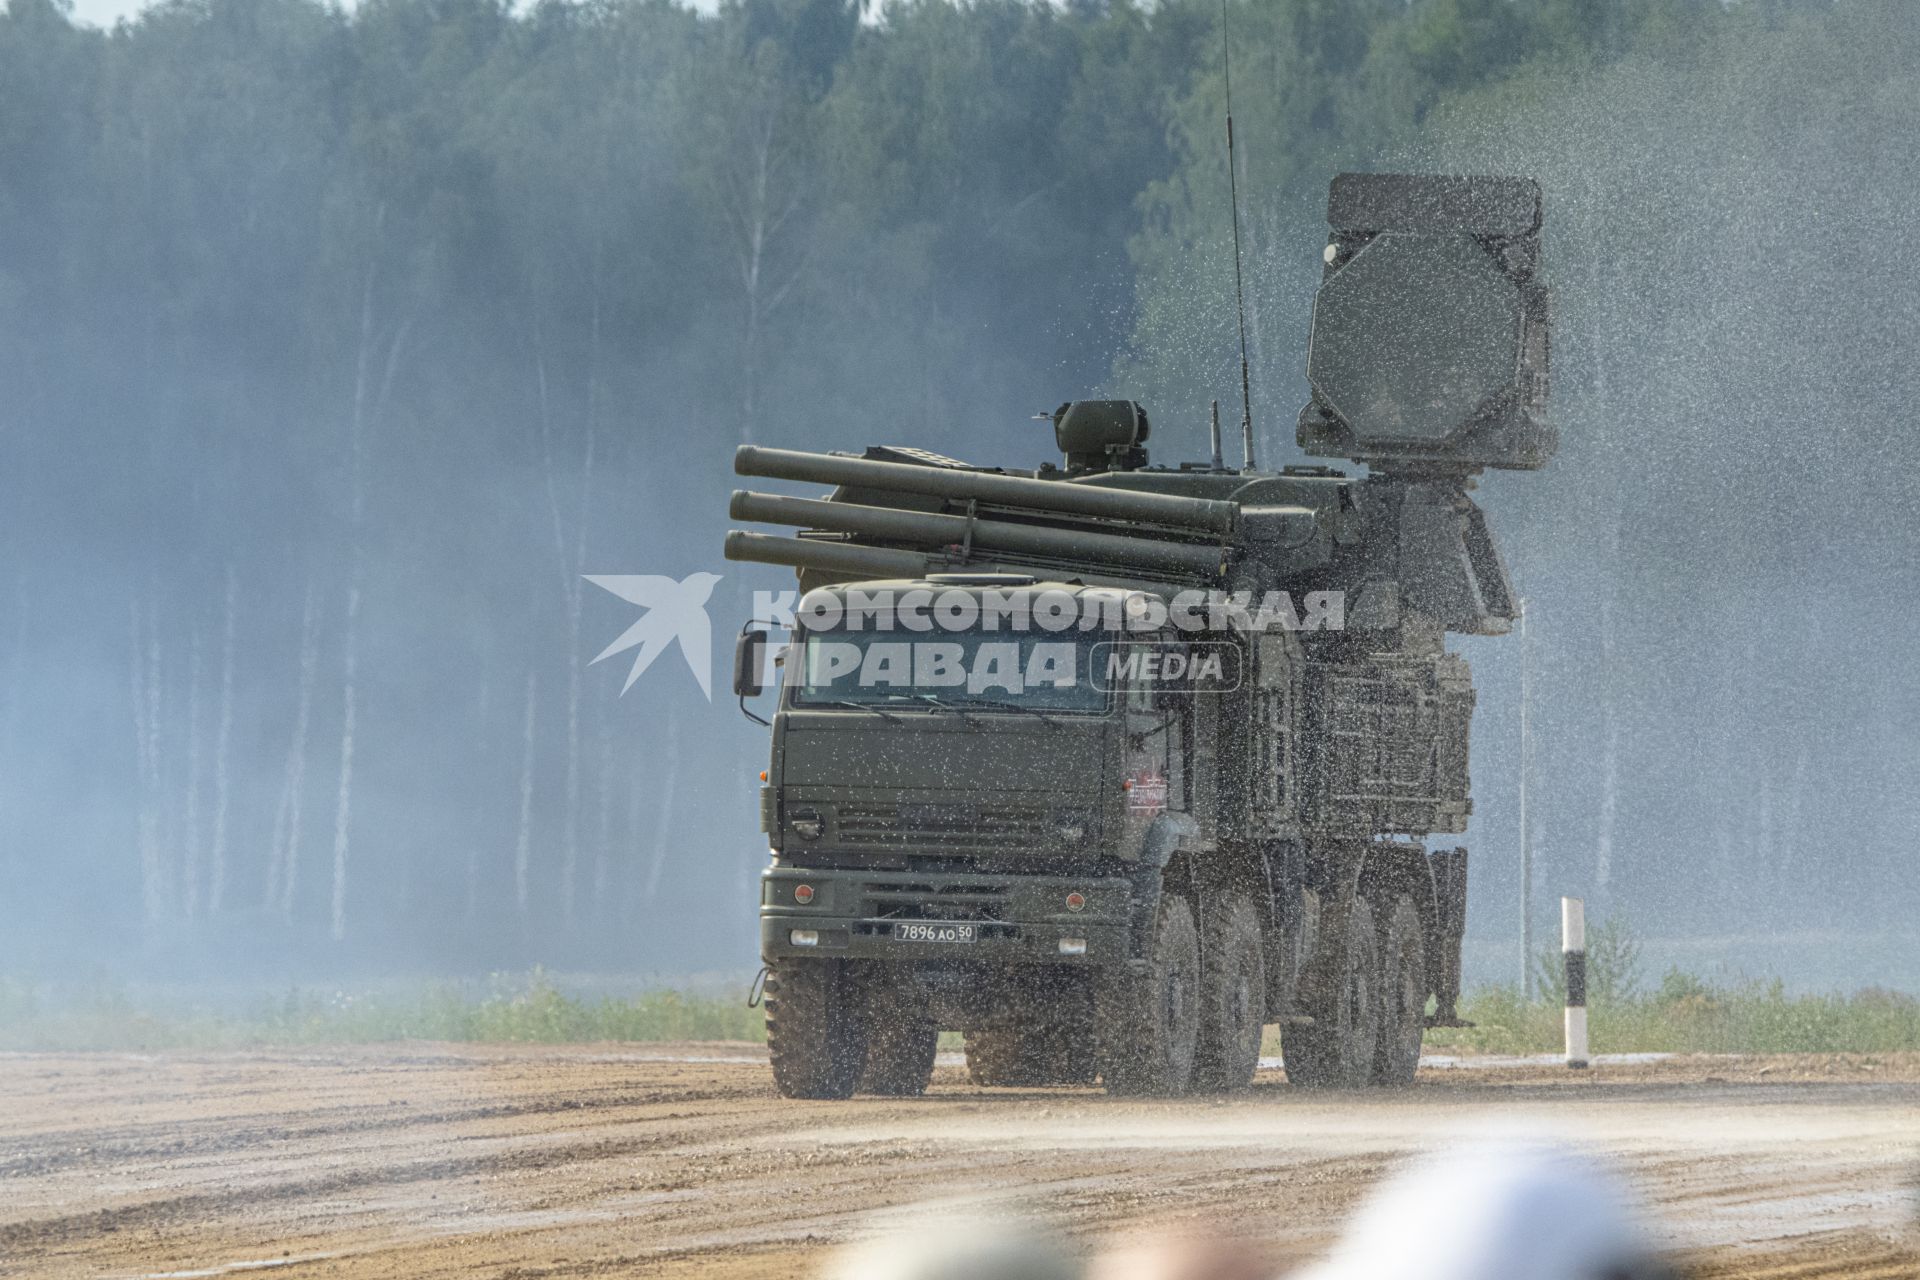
<point>531,1009</point>
<point>1682,1014</point>
<point>1686,1015</point>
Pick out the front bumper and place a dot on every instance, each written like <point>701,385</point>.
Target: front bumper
<point>1018,918</point>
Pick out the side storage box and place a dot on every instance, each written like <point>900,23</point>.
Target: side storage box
<point>1385,745</point>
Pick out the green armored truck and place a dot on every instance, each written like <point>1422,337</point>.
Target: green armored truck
<point>1110,765</point>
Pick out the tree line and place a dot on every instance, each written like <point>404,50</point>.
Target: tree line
<point>336,345</point>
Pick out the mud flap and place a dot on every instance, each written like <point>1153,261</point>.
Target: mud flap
<point>1449,867</point>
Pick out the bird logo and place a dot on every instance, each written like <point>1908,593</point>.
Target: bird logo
<point>675,611</point>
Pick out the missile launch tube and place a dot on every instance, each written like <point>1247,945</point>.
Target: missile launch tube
<point>834,557</point>
<point>1205,514</point>
<point>845,560</point>
<point>928,528</point>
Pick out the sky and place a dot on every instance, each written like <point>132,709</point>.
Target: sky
<point>104,13</point>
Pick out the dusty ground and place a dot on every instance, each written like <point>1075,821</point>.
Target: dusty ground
<point>680,1160</point>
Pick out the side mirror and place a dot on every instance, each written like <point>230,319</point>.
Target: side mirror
<point>749,660</point>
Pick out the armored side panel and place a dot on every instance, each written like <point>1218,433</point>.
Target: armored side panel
<point>1272,760</point>
<point>1429,344</point>
<point>1388,744</point>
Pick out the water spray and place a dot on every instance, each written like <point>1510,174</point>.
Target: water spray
<point>1239,290</point>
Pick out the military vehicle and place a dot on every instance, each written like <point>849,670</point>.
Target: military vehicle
<point>1126,876</point>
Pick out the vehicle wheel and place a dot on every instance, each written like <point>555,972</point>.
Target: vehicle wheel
<point>901,1041</point>
<point>1337,1050</point>
<point>1149,1023</point>
<point>1071,1053</point>
<point>1403,997</point>
<point>1233,995</point>
<point>816,1028</point>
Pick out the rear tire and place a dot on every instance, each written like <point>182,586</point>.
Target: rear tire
<point>1403,997</point>
<point>1233,995</point>
<point>1149,1023</point>
<point>1337,1050</point>
<point>901,1039</point>
<point>816,1028</point>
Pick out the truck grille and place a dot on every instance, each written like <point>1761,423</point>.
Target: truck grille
<point>884,901</point>
<point>892,900</point>
<point>939,827</point>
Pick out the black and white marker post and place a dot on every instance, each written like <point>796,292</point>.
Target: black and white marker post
<point>1573,947</point>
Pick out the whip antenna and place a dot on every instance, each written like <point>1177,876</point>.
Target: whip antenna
<point>1239,291</point>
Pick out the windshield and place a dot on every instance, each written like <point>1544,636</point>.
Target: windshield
<point>1039,670</point>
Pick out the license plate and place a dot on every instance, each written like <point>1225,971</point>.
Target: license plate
<point>906,932</point>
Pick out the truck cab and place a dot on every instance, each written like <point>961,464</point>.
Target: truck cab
<point>992,779</point>
<point>966,782</point>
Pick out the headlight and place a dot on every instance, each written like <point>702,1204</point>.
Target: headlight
<point>808,825</point>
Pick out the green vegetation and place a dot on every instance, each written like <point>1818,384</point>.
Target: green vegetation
<point>1688,1015</point>
<point>1683,1014</point>
<point>379,324</point>
<point>532,1009</point>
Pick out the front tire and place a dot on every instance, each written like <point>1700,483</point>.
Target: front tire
<point>1403,997</point>
<point>1337,1050</point>
<point>816,1027</point>
<point>1233,995</point>
<point>1149,1023</point>
<point>901,1039</point>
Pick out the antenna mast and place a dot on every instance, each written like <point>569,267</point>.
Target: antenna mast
<point>1239,291</point>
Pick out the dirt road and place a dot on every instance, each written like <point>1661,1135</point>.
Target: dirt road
<point>680,1160</point>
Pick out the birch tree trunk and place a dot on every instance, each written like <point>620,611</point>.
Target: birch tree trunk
<point>636,805</point>
<point>663,819</point>
<point>190,824</point>
<point>481,730</point>
<point>369,404</point>
<point>16,661</point>
<point>1789,846</point>
<point>284,877</point>
<point>222,744</point>
<point>523,846</point>
<point>603,834</point>
<point>571,554</point>
<point>1609,760</point>
<point>152,883</point>
<point>767,188</point>
<point>343,803</point>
